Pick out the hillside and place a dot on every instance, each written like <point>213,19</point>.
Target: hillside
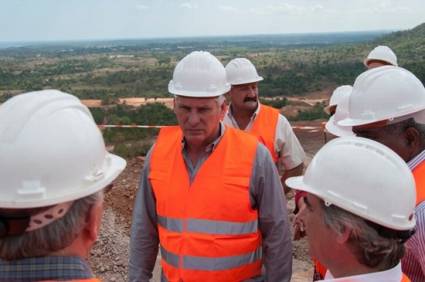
<point>291,65</point>
<point>409,45</point>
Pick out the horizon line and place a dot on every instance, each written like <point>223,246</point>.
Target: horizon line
<point>189,37</point>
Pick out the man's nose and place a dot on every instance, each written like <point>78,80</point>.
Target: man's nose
<point>193,118</point>
<point>252,92</point>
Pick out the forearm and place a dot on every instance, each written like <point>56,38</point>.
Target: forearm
<point>296,171</point>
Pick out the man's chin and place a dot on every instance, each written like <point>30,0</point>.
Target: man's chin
<point>251,105</point>
<point>194,137</point>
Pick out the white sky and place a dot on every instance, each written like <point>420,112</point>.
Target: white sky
<point>39,20</point>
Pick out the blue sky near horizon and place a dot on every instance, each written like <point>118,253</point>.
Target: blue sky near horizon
<point>50,20</point>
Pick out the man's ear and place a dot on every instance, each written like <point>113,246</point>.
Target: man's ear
<point>344,236</point>
<point>223,110</point>
<point>174,104</point>
<point>93,221</point>
<point>414,142</point>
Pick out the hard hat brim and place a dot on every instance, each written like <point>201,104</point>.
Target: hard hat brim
<point>336,130</point>
<point>198,94</point>
<point>259,78</point>
<point>297,183</point>
<point>113,170</point>
<point>358,122</point>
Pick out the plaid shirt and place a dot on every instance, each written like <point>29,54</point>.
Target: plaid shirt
<point>44,268</point>
<point>413,262</point>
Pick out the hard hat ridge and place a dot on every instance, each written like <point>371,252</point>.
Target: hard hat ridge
<point>241,71</point>
<point>382,53</point>
<point>199,75</point>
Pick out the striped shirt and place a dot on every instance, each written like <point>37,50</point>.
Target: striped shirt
<point>55,268</point>
<point>413,261</point>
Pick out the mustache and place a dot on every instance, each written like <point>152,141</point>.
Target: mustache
<point>249,99</point>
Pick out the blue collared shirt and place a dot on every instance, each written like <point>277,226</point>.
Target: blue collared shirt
<point>44,268</point>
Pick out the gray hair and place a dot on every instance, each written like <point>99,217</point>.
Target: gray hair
<point>368,246</point>
<point>51,238</point>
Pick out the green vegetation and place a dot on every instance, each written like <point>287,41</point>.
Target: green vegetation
<point>275,103</point>
<point>317,112</point>
<point>130,142</point>
<point>292,65</point>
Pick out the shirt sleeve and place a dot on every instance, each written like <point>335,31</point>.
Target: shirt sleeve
<point>414,260</point>
<point>267,197</point>
<point>287,145</point>
<point>144,238</point>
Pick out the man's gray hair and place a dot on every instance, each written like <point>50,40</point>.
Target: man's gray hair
<point>51,238</point>
<point>370,248</point>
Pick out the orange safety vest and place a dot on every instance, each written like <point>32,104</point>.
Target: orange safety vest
<point>264,128</point>
<point>419,175</point>
<point>405,278</point>
<point>320,268</point>
<point>207,229</point>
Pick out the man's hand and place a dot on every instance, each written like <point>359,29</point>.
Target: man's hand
<point>296,171</point>
<point>298,224</point>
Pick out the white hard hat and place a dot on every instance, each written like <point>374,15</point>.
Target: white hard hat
<point>362,177</point>
<point>199,74</point>
<point>51,151</point>
<point>384,93</point>
<point>382,53</point>
<point>241,71</point>
<point>339,94</point>
<point>343,94</point>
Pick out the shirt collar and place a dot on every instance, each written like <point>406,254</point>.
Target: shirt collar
<point>390,275</point>
<point>210,147</point>
<point>413,163</point>
<point>233,120</point>
<point>45,268</point>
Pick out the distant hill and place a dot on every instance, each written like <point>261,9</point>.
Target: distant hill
<point>409,45</point>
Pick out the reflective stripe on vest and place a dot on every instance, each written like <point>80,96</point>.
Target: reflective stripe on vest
<point>74,280</point>
<point>211,263</point>
<point>419,175</point>
<point>207,229</point>
<point>264,128</point>
<point>208,226</point>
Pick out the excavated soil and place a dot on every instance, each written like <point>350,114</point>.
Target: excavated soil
<point>109,257</point>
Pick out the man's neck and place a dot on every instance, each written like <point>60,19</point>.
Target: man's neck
<point>242,117</point>
<point>196,151</point>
